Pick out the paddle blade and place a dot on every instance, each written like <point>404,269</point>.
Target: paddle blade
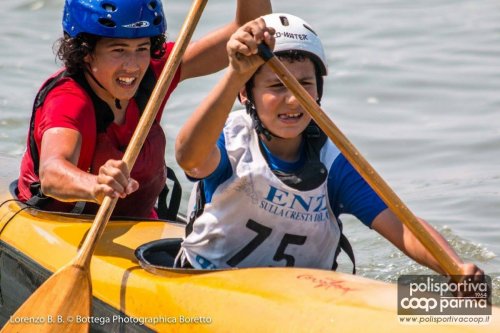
<point>56,304</point>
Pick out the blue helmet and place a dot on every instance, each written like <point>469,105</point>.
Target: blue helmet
<point>114,18</point>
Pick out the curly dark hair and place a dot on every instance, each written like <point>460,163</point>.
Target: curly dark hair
<point>72,50</point>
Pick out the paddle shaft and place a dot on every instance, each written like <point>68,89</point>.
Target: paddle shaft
<point>68,292</point>
<point>397,206</point>
<point>143,127</point>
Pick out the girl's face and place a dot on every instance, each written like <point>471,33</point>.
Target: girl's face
<point>120,64</point>
<point>277,107</point>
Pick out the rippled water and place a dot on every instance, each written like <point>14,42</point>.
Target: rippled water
<point>414,85</point>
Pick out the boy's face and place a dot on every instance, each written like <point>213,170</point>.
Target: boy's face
<point>277,107</point>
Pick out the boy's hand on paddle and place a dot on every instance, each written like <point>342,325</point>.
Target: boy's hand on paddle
<point>471,275</point>
<point>473,271</point>
<point>242,46</point>
<point>114,181</point>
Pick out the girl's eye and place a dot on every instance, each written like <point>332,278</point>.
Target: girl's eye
<point>143,49</point>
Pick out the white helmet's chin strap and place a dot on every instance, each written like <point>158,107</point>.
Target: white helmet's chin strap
<point>258,126</point>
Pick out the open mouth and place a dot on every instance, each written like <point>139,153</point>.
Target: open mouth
<point>126,82</point>
<point>291,116</point>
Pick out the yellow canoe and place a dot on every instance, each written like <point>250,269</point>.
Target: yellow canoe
<point>129,298</point>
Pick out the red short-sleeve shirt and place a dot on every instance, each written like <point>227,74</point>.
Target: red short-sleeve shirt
<point>68,105</point>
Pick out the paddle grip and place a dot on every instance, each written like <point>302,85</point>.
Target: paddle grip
<point>264,52</point>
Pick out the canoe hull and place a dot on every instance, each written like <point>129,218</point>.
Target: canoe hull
<point>127,298</point>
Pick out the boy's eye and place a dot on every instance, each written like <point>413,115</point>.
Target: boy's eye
<point>276,85</point>
<point>118,50</point>
<point>307,83</point>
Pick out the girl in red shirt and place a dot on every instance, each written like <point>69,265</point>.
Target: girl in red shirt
<point>84,115</point>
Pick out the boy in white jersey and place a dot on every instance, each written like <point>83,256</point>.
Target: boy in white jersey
<point>271,185</point>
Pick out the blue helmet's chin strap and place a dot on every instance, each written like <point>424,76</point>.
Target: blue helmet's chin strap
<point>117,101</point>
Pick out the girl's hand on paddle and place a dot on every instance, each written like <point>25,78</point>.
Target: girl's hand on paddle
<point>114,181</point>
<point>242,46</point>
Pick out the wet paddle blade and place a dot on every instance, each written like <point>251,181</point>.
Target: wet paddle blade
<point>68,293</point>
<point>54,306</point>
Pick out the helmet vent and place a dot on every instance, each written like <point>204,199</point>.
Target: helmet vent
<point>158,20</point>
<point>152,5</point>
<point>109,7</point>
<point>309,28</point>
<point>284,21</point>
<point>107,22</point>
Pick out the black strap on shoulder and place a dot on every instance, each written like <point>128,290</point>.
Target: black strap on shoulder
<point>169,211</point>
<point>145,89</point>
<point>315,137</point>
<point>345,245</point>
<point>39,99</point>
<point>38,199</point>
<point>103,114</point>
<point>198,208</point>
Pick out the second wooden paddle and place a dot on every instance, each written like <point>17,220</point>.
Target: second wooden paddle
<point>449,265</point>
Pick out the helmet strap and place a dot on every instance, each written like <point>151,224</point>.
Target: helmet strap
<point>252,111</point>
<point>117,101</point>
<point>312,129</point>
<point>258,126</point>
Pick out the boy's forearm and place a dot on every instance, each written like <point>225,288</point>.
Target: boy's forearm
<point>198,137</point>
<point>419,253</point>
<point>389,226</point>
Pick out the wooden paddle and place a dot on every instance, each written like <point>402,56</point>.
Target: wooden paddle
<point>449,265</point>
<point>67,295</point>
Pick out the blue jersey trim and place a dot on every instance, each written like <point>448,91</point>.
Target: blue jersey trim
<point>350,194</point>
<point>222,173</point>
<point>347,190</point>
<point>278,164</point>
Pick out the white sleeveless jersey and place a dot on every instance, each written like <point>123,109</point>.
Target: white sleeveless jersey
<point>255,219</point>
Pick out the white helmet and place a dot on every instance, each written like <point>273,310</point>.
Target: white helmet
<point>293,33</point>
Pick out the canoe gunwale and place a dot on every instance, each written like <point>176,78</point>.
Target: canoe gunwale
<point>35,211</point>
